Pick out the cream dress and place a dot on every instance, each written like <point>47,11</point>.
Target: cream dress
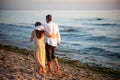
<point>39,50</point>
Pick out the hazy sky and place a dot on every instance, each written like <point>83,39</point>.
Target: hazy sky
<point>59,4</point>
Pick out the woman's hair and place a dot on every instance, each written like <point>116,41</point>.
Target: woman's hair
<point>39,33</point>
<point>37,24</point>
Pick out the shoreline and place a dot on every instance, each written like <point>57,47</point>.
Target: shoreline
<point>105,73</point>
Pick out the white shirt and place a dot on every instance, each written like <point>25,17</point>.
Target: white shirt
<point>51,28</point>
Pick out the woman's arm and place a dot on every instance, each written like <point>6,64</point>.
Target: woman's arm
<point>47,34</point>
<point>50,35</point>
<point>32,36</point>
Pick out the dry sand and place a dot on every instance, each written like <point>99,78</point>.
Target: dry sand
<point>16,66</point>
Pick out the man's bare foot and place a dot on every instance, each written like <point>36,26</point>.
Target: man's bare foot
<point>50,72</point>
<point>57,70</point>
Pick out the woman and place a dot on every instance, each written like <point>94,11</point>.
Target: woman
<point>39,47</point>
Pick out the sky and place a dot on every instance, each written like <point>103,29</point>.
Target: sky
<point>60,4</point>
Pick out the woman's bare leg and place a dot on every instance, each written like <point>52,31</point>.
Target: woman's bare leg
<point>38,63</point>
<point>44,70</point>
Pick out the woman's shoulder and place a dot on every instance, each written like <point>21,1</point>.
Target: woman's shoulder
<point>33,31</point>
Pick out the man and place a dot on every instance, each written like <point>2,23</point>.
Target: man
<point>51,43</point>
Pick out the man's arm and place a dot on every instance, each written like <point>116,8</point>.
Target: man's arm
<point>46,33</point>
<point>58,37</point>
<point>40,28</point>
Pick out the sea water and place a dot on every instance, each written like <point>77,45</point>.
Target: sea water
<point>90,36</point>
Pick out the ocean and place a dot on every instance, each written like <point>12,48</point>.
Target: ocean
<point>91,36</point>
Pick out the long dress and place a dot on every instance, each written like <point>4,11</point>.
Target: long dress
<point>39,50</point>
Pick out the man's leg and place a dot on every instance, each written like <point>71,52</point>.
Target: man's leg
<point>48,55</point>
<point>57,65</point>
<point>55,59</point>
<point>49,66</point>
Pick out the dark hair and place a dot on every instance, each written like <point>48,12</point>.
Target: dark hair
<point>39,33</point>
<point>49,17</point>
<point>38,24</point>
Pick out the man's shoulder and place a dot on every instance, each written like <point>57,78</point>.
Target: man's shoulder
<point>52,23</point>
<point>55,24</point>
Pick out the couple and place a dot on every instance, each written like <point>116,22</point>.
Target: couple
<point>43,51</point>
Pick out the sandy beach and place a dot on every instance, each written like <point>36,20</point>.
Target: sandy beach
<point>19,64</point>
